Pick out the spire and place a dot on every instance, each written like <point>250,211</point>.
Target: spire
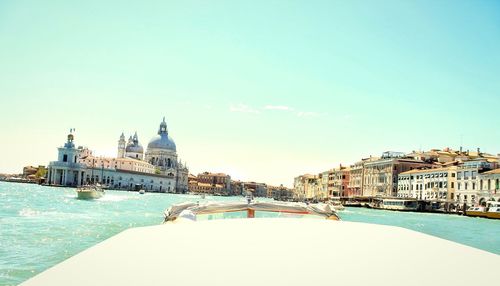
<point>163,128</point>
<point>135,138</point>
<point>122,137</point>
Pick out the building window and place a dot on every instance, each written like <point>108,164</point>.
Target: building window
<point>466,175</point>
<point>65,158</point>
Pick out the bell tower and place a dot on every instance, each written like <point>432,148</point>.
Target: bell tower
<point>121,146</point>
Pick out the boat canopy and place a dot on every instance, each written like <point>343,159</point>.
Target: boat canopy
<point>189,210</point>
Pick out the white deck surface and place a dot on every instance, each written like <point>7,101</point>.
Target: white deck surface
<point>274,252</point>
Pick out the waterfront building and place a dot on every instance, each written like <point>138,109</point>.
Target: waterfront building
<point>489,186</point>
<point>125,163</point>
<point>306,186</point>
<point>435,184</point>
<point>355,184</point>
<point>468,180</point>
<point>215,178</point>
<point>338,182</point>
<point>212,183</point>
<point>160,172</point>
<point>236,188</point>
<point>380,176</point>
<point>257,189</point>
<point>322,192</point>
<point>279,193</point>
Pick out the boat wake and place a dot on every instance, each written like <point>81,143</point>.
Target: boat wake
<point>116,198</point>
<point>28,212</point>
<point>32,213</point>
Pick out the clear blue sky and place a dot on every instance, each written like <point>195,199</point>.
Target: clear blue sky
<point>263,90</point>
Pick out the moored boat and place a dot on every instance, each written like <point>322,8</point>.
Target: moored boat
<point>476,211</point>
<point>491,210</point>
<point>353,204</point>
<point>90,192</point>
<point>399,205</point>
<point>336,204</point>
<point>142,191</point>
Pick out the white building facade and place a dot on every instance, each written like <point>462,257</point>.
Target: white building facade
<point>471,181</point>
<point>437,184</point>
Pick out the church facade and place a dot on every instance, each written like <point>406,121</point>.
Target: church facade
<point>156,170</point>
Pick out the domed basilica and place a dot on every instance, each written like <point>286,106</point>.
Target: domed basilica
<point>161,151</point>
<point>158,169</point>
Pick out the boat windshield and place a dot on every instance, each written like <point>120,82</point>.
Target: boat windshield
<point>215,210</point>
<point>261,214</point>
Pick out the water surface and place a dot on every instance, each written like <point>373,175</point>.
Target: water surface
<point>42,226</point>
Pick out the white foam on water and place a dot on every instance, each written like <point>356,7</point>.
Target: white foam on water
<point>29,212</point>
<point>33,213</point>
<point>116,198</point>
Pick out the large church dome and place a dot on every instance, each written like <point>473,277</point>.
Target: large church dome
<point>162,140</point>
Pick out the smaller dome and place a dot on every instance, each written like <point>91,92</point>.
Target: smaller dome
<point>134,149</point>
<point>133,145</point>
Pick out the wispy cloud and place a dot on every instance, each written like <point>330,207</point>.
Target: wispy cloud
<point>243,108</point>
<point>278,107</point>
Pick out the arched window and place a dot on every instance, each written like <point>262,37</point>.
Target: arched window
<point>169,163</point>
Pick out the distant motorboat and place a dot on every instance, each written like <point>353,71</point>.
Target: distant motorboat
<point>90,192</point>
<point>142,191</point>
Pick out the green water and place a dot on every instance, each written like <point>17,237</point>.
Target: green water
<point>42,226</point>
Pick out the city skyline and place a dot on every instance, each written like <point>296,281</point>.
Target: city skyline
<point>260,95</point>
